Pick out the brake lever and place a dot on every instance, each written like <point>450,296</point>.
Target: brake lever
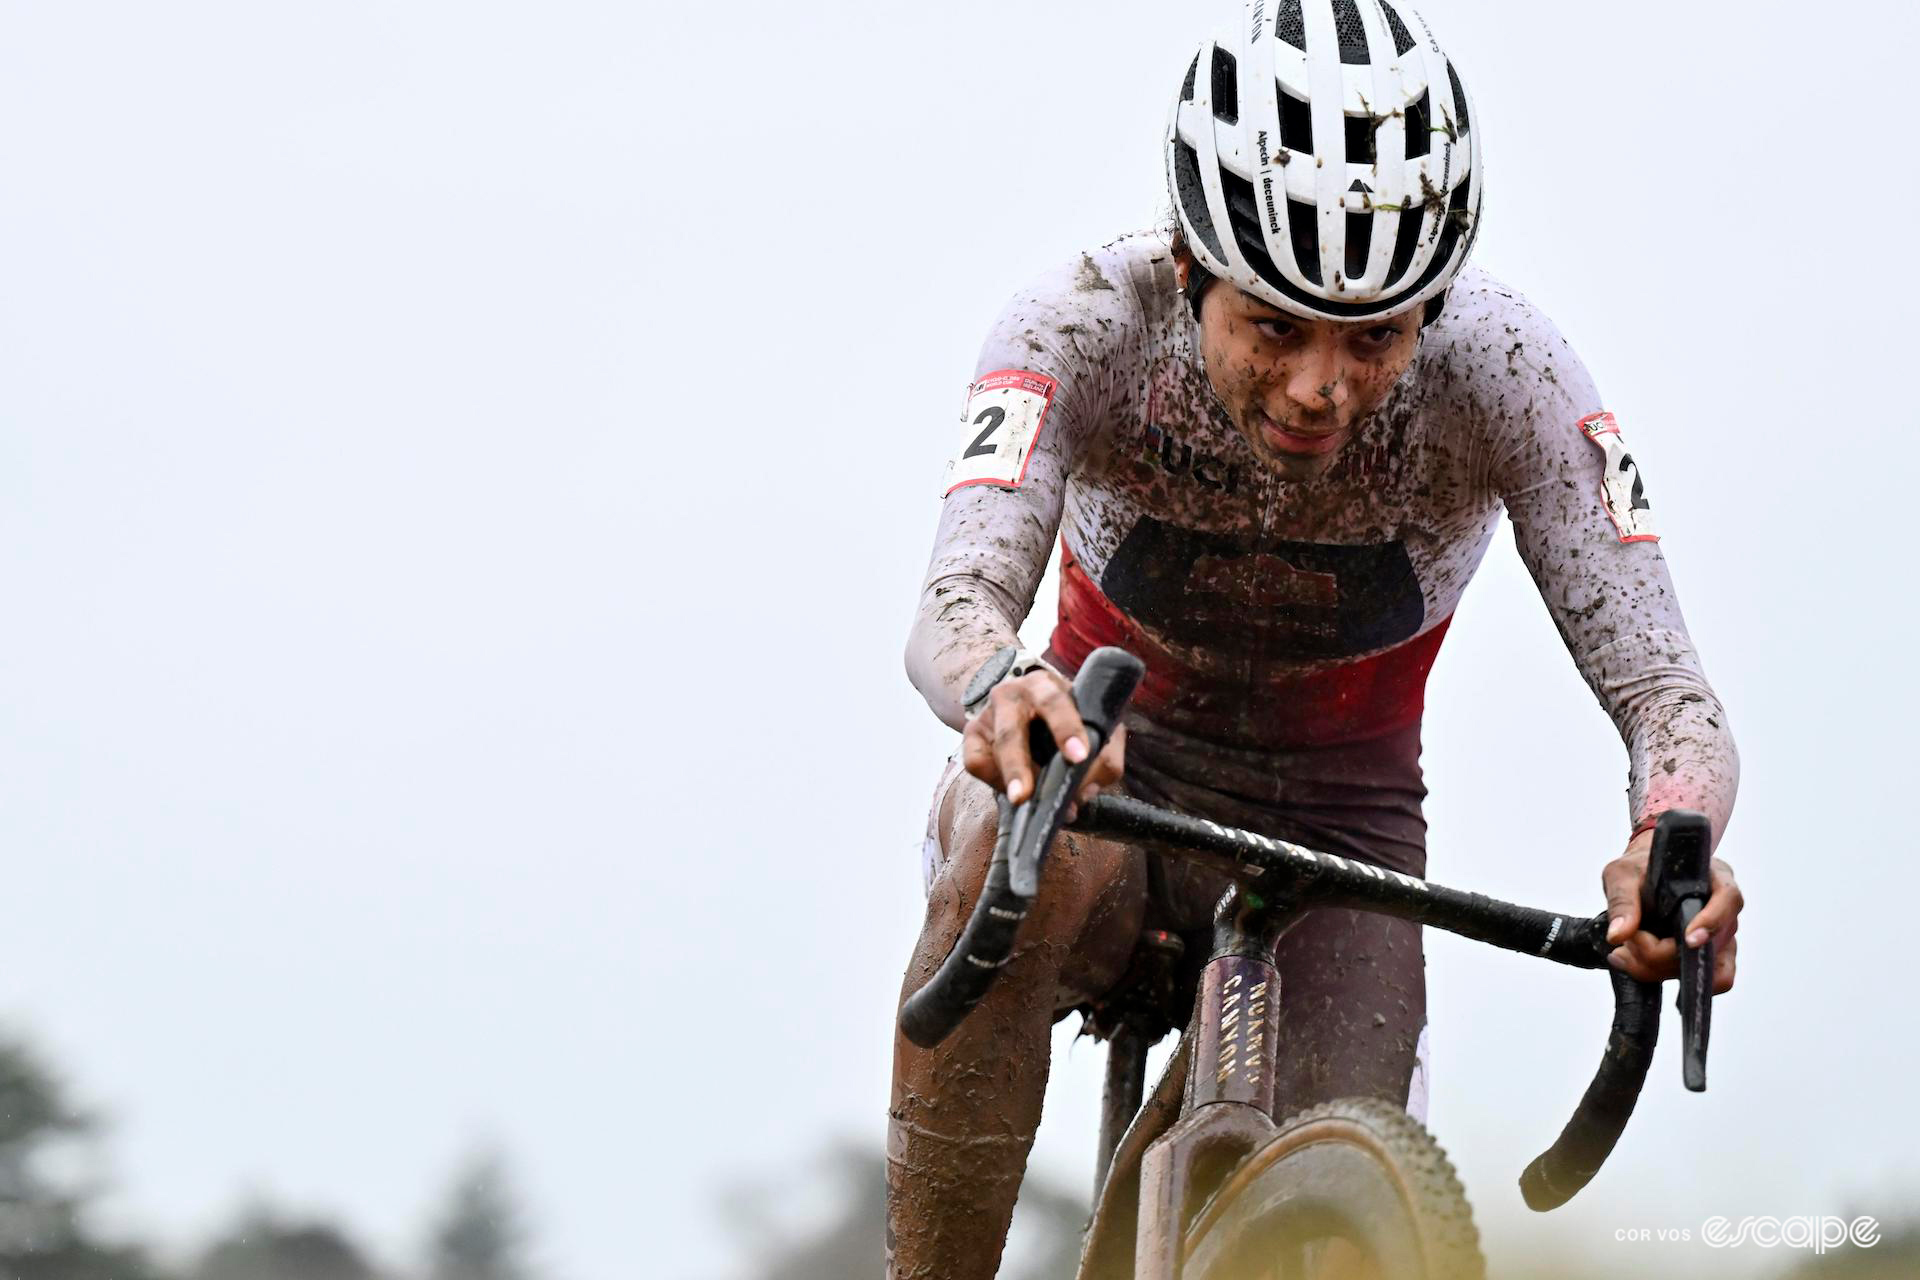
<point>1106,680</point>
<point>1677,886</point>
<point>1042,813</point>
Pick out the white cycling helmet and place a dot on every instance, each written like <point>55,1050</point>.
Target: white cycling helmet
<point>1324,160</point>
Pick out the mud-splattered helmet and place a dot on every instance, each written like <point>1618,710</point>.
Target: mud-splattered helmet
<point>1325,159</point>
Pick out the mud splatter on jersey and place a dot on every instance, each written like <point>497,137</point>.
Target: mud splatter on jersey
<point>1277,616</point>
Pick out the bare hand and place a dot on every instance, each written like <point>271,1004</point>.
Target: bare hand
<point>996,750</point>
<point>1650,959</point>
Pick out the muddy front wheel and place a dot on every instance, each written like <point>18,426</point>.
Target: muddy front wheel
<point>1351,1190</point>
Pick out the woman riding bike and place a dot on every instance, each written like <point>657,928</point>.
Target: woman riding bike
<point>1274,445</point>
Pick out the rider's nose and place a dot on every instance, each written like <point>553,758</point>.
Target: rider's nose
<point>1317,384</point>
<point>1317,391</point>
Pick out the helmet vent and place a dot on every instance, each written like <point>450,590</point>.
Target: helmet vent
<point>1186,86</point>
<point>1459,99</point>
<point>1353,32</point>
<point>1303,224</point>
<point>1193,198</point>
<point>1402,38</point>
<point>1289,25</point>
<point>1360,140</point>
<point>1359,243</point>
<point>1226,94</point>
<point>1420,127</point>
<point>1244,214</point>
<point>1296,122</point>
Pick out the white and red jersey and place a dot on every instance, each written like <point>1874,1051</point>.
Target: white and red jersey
<point>1279,617</point>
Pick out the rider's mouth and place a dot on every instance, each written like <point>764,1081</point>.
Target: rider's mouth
<point>1305,443</point>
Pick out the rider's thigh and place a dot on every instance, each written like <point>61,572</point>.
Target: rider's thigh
<point>1083,923</point>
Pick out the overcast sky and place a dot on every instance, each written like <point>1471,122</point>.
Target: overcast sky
<point>465,472</point>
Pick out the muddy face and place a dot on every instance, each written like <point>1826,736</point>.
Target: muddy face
<point>1298,389</point>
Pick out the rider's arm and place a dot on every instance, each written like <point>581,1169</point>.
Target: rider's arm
<point>996,534</point>
<point>1603,578</point>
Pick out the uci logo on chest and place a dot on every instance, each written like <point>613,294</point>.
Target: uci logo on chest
<point>1164,451</point>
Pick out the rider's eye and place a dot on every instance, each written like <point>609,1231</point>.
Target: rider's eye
<point>1274,327</point>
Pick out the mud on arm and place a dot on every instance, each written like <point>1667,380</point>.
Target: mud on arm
<point>1586,529</point>
<point>1048,367</point>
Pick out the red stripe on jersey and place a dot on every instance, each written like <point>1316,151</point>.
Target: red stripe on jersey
<point>1283,709</point>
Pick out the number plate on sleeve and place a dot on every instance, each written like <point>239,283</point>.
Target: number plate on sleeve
<point>1622,491</point>
<point>1004,414</point>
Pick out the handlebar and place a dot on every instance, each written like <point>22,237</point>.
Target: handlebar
<point>1026,831</point>
<point>1676,887</point>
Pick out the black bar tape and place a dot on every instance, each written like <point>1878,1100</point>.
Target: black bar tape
<point>1559,1173</point>
<point>962,981</point>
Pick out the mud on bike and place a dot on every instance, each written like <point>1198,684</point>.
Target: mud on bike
<point>1199,1180</point>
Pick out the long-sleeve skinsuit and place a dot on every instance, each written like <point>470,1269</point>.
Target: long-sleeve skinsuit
<point>1288,627</point>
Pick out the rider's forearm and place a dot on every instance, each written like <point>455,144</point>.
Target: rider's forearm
<point>1590,544</point>
<point>989,553</point>
<point>963,620</point>
<point>1680,751</point>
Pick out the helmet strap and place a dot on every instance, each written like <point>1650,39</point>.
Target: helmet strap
<point>1199,280</point>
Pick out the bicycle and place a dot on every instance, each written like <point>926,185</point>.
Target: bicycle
<point>1200,1181</point>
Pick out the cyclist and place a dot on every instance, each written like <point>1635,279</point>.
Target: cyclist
<point>1274,445</point>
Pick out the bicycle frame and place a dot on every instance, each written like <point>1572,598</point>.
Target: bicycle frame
<point>1227,1104</point>
<point>1183,1147</point>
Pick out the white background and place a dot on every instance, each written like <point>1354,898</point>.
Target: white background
<point>465,471</point>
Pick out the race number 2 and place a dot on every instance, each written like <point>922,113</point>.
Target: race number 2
<point>1622,491</point>
<point>1005,411</point>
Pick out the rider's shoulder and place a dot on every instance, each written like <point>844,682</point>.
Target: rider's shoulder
<point>1125,277</point>
<point>1139,261</point>
<point>1492,341</point>
<point>1086,311</point>
<point>1482,310</point>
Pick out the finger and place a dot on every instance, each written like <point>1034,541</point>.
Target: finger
<point>1626,961</point>
<point>1011,712</point>
<point>1723,966</point>
<point>976,750</point>
<point>1055,705</point>
<point>1652,958</point>
<point>1112,760</point>
<point>1088,790</point>
<point>1655,951</point>
<point>1620,881</point>
<point>1723,906</point>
